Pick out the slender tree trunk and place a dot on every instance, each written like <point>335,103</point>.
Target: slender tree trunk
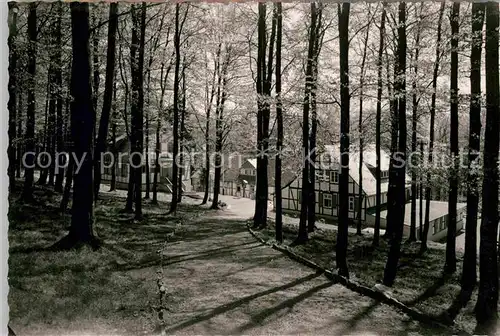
<point>342,235</point>
<point>469,277</point>
<point>400,192</point>
<point>306,185</point>
<point>69,182</point>
<point>146,129</point>
<point>108,96</point>
<point>421,192</point>
<point>175,168</point>
<point>59,109</point>
<point>450,265</point>
<point>260,216</point>
<point>27,195</point>
<point>487,301</point>
<point>181,133</point>
<point>311,211</point>
<point>279,121</point>
<point>220,101</point>
<point>83,118</point>
<point>378,200</point>
<point>159,115</point>
<point>51,125</point>
<point>137,108</point>
<point>414,120</point>
<point>391,198</point>
<point>96,76</point>
<point>207,124</point>
<point>423,247</point>
<point>44,142</point>
<point>262,191</point>
<point>361,135</point>
<point>12,104</point>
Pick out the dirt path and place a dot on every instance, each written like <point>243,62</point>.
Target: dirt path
<point>226,283</point>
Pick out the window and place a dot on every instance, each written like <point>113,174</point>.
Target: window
<point>434,227</point>
<point>334,176</point>
<point>351,203</point>
<point>327,200</point>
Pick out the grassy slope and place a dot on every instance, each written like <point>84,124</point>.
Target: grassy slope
<point>419,284</point>
<point>89,291</point>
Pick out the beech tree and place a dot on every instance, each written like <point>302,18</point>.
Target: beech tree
<point>376,233</point>
<point>342,235</point>
<point>83,116</point>
<point>102,136</point>
<point>400,176</point>
<point>423,246</point>
<point>306,185</point>
<point>450,263</point>
<point>487,301</point>
<point>12,104</point>
<point>278,16</point>
<point>29,138</point>
<point>469,264</point>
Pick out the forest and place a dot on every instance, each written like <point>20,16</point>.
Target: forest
<point>122,117</point>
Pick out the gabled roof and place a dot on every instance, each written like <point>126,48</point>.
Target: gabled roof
<point>370,161</point>
<point>253,162</point>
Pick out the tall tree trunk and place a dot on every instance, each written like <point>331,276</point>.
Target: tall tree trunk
<point>59,109</point>
<point>175,168</point>
<point>137,108</point>
<point>219,108</point>
<point>146,129</point>
<point>262,190</point>
<point>391,191</point>
<point>12,104</point>
<point>487,301</point>
<point>360,128</point>
<point>400,191</point>
<point>306,185</point>
<point>311,211</point>
<point>27,195</point>
<point>108,96</point>
<point>279,122</point>
<point>83,118</point>
<point>159,115</point>
<point>42,144</point>
<point>181,133</point>
<point>450,265</point>
<point>414,120</point>
<point>51,124</point>
<point>209,103</point>
<point>378,202</point>
<point>469,276</point>
<point>342,235</point>
<point>423,246</point>
<point>96,76</point>
<point>421,192</point>
<point>259,216</point>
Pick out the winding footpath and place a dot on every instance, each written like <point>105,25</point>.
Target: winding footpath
<point>227,283</point>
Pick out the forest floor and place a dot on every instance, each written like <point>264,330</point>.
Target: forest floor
<point>420,282</point>
<point>217,278</point>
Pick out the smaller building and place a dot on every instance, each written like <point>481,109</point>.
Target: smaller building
<point>122,166</point>
<point>438,219</point>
